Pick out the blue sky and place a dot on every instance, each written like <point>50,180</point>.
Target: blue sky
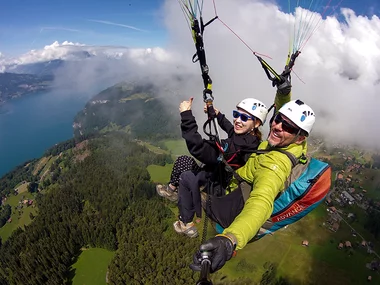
<point>361,7</point>
<point>26,24</point>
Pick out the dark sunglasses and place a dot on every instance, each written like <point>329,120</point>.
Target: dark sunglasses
<point>243,117</point>
<point>286,126</point>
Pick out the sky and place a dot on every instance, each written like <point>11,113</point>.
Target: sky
<point>26,25</point>
<point>337,73</point>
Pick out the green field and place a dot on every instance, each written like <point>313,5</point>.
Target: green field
<point>153,148</point>
<point>176,147</point>
<point>160,174</point>
<point>91,267</point>
<point>321,261</point>
<point>18,220</point>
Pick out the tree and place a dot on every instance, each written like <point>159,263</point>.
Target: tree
<point>33,187</point>
<point>269,276</point>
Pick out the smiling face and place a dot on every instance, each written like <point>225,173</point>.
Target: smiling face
<point>283,132</point>
<point>241,127</point>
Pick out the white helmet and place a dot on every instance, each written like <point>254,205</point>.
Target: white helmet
<point>300,114</point>
<point>255,108</point>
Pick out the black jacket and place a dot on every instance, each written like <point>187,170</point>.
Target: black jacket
<point>237,148</point>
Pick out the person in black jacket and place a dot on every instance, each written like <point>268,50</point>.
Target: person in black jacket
<point>244,137</point>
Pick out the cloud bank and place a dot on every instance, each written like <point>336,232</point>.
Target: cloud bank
<point>339,67</point>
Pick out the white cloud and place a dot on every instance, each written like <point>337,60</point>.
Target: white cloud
<point>336,52</point>
<point>49,52</point>
<point>2,67</point>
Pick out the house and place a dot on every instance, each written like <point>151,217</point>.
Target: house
<point>375,264</point>
<point>347,244</point>
<point>358,197</point>
<point>334,227</point>
<point>340,246</point>
<point>305,243</point>
<point>331,209</point>
<point>351,215</point>
<point>348,197</point>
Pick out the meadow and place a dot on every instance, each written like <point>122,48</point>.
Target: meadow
<point>21,217</point>
<point>91,266</point>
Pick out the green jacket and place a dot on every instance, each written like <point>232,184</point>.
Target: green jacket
<point>267,174</point>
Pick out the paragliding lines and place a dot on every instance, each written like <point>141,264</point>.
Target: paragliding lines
<point>197,28</point>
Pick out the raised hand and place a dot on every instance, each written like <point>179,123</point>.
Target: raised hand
<point>185,105</point>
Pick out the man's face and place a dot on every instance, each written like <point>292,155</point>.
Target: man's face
<point>283,132</point>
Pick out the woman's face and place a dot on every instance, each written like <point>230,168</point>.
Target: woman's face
<point>241,127</point>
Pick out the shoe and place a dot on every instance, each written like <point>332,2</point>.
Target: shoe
<point>187,229</point>
<point>166,192</point>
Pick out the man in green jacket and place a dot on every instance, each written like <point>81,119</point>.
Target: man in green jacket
<point>267,173</point>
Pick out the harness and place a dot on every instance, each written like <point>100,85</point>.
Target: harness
<point>302,162</point>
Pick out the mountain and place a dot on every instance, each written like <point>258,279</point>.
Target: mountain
<point>136,108</point>
<point>16,85</point>
<point>38,68</point>
<point>53,57</point>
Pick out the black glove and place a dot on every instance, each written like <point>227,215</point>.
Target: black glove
<point>220,250</point>
<point>283,85</point>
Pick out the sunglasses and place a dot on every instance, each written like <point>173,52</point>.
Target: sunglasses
<point>243,117</point>
<point>286,126</point>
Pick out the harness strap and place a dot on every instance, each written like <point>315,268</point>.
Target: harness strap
<point>291,156</point>
<point>246,188</point>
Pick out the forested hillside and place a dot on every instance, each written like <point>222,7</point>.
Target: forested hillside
<point>107,201</point>
<point>14,85</point>
<point>132,107</point>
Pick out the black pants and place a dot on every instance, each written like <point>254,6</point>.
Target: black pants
<point>189,197</point>
<point>221,209</point>
<point>182,163</point>
<point>224,209</point>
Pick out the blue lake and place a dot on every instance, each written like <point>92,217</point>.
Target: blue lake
<point>34,123</point>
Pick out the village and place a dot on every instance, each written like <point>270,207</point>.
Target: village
<point>346,201</point>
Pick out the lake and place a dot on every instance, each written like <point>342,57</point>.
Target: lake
<point>32,124</point>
